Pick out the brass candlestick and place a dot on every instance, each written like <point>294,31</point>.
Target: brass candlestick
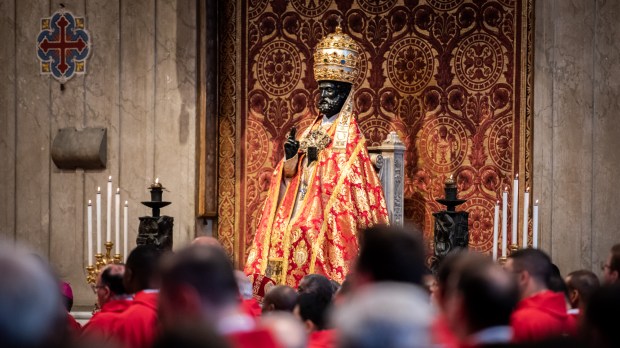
<point>513,248</point>
<point>502,260</point>
<point>102,260</point>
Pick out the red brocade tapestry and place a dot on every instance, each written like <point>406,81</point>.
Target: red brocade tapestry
<point>451,77</point>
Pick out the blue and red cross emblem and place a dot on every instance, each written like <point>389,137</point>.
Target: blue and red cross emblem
<point>63,45</point>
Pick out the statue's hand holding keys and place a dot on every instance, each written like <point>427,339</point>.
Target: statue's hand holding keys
<point>291,146</point>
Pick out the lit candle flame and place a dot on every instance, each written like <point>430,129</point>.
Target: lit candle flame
<point>157,180</point>
<point>118,190</point>
<point>536,202</point>
<point>497,202</point>
<point>90,202</point>
<point>98,190</point>
<point>516,176</point>
<point>110,178</point>
<point>126,203</point>
<point>527,189</point>
<point>506,188</point>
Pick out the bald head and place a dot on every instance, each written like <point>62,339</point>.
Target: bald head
<point>581,284</point>
<point>280,298</point>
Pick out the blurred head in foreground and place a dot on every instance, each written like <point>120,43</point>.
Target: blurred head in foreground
<point>480,296</point>
<point>386,315</point>
<point>31,308</point>
<point>286,329</point>
<point>198,284</point>
<point>389,254</point>
<point>601,317</point>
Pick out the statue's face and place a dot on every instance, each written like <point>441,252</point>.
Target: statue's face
<point>332,95</point>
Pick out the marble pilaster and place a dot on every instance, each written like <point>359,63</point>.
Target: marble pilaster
<point>606,131</point>
<point>33,127</point>
<point>7,120</point>
<point>174,113</point>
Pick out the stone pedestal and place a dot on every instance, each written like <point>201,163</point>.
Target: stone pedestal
<point>392,175</point>
<point>156,231</point>
<point>451,232</point>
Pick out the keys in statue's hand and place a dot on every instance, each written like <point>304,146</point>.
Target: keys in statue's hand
<point>291,146</point>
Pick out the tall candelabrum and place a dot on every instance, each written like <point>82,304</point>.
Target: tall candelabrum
<point>107,257</point>
<point>500,242</point>
<point>102,260</point>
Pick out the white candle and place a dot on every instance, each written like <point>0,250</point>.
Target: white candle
<point>526,208</point>
<point>125,231</point>
<point>90,232</point>
<point>535,226</point>
<point>515,209</point>
<point>495,231</point>
<point>117,217</point>
<point>504,221</point>
<point>108,221</point>
<point>98,220</point>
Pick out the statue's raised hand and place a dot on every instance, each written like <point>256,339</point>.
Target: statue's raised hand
<point>291,146</point>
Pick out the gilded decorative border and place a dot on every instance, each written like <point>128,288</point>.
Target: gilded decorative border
<point>228,88</point>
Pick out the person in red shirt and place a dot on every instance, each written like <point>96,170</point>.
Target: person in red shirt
<point>199,286</point>
<point>136,327</point>
<point>540,312</point>
<point>111,298</point>
<point>581,284</point>
<point>248,303</point>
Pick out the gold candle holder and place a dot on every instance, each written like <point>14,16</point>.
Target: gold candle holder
<point>513,248</point>
<point>91,275</point>
<point>502,260</point>
<point>108,252</point>
<point>102,260</point>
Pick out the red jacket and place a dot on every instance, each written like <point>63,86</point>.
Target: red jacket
<point>442,334</point>
<point>250,339</point>
<point>74,326</point>
<point>251,307</point>
<point>136,327</point>
<point>541,316</point>
<point>102,323</point>
<point>322,339</point>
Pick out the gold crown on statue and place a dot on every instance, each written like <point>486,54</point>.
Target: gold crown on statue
<point>337,58</point>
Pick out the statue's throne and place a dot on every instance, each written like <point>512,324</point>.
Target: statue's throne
<point>389,161</point>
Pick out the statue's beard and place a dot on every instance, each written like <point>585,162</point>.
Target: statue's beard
<point>330,107</point>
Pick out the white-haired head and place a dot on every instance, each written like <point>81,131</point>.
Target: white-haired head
<point>386,315</point>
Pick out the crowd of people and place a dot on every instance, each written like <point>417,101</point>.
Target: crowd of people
<point>194,297</point>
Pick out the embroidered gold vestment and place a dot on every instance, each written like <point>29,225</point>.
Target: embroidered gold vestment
<point>339,195</point>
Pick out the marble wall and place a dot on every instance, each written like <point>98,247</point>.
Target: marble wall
<point>140,85</point>
<point>577,129</point>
